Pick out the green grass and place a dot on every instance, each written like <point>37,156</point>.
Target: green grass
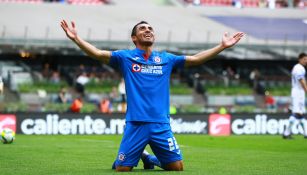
<point>203,154</point>
<point>101,87</point>
<point>231,90</point>
<point>180,89</point>
<point>44,85</point>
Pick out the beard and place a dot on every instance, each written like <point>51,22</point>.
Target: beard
<point>146,43</point>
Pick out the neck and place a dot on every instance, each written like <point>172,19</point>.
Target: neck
<point>147,49</point>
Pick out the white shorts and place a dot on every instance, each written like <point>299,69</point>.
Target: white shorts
<point>298,104</point>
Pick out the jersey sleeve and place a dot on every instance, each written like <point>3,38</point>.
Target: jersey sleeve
<point>299,74</point>
<point>116,58</point>
<point>177,61</point>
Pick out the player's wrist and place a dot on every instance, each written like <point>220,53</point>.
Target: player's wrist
<point>221,47</point>
<point>76,39</point>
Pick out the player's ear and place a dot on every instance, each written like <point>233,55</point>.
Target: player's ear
<point>133,38</point>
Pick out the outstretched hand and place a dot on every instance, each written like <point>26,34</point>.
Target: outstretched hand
<point>71,32</point>
<point>229,41</point>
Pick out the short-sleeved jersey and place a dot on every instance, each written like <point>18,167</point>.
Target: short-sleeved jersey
<point>147,83</point>
<point>298,72</point>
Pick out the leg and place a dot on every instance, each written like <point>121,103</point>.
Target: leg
<point>150,161</point>
<point>304,128</point>
<point>298,109</point>
<point>287,133</point>
<point>134,140</point>
<point>123,168</point>
<point>303,125</point>
<point>165,147</point>
<point>174,166</point>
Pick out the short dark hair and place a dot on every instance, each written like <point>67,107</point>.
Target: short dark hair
<point>133,33</point>
<point>301,55</point>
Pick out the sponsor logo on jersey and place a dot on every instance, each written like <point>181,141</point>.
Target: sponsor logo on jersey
<point>147,69</point>
<point>7,121</point>
<point>219,124</point>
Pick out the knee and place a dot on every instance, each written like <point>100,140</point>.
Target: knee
<point>175,166</point>
<point>123,168</point>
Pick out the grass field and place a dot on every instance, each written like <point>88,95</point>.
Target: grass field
<point>87,155</point>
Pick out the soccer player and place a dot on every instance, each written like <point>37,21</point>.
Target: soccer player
<point>147,75</point>
<point>298,90</point>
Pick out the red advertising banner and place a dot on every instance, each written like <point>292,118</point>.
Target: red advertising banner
<point>219,124</point>
<point>7,121</point>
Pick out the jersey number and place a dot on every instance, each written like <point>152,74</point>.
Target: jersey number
<point>172,143</point>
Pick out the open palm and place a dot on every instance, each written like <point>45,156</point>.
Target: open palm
<point>71,32</point>
<point>229,41</point>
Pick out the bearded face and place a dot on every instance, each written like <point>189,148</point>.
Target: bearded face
<point>144,35</point>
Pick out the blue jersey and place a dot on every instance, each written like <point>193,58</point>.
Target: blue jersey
<point>147,83</point>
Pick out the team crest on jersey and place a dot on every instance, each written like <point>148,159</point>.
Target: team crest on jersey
<point>157,59</point>
<point>136,68</point>
<point>121,156</point>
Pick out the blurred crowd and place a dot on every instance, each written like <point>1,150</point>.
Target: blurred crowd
<point>272,4</point>
<point>78,2</point>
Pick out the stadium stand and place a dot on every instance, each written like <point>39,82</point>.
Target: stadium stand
<point>22,1</point>
<point>88,2</point>
<point>85,2</point>
<point>72,2</point>
<point>249,3</point>
<point>14,74</point>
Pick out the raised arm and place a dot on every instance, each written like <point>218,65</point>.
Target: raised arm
<point>201,57</point>
<point>89,49</point>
